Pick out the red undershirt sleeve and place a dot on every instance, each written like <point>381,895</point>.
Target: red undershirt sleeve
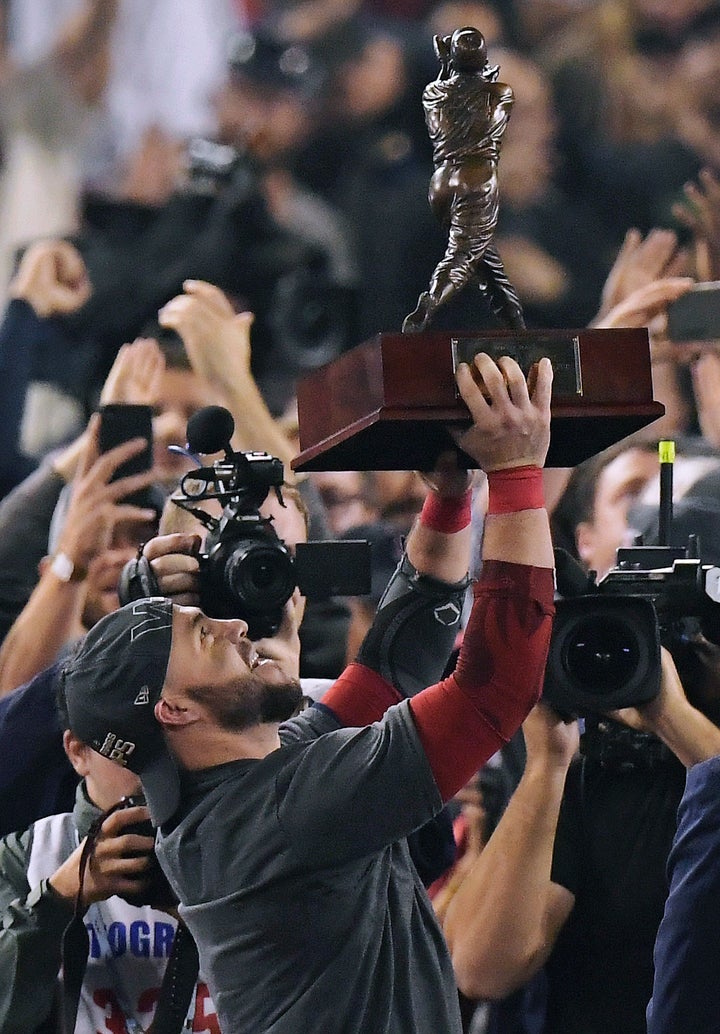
<point>360,696</point>
<point>463,720</point>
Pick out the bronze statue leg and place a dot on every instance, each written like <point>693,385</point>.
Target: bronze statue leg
<point>500,293</point>
<point>472,221</point>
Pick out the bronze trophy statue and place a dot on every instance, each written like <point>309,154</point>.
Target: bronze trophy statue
<point>390,402</point>
<point>466,112</point>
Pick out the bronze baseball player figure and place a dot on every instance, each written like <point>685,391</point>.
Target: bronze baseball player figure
<point>466,112</point>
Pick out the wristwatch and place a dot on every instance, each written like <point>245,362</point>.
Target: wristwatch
<point>66,570</point>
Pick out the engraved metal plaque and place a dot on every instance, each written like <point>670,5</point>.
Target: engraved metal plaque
<point>390,403</point>
<point>564,354</point>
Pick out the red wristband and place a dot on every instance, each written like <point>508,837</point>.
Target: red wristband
<point>447,514</point>
<point>515,488</point>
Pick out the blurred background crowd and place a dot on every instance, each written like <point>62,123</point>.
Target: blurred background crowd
<point>278,150</point>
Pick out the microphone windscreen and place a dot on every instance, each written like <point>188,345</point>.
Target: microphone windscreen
<point>210,429</point>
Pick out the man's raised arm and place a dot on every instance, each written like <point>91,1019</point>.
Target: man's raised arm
<point>509,439</point>
<point>465,718</point>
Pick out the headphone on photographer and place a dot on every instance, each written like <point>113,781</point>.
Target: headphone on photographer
<point>137,579</point>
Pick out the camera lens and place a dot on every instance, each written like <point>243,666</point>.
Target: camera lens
<point>602,655</point>
<point>260,574</point>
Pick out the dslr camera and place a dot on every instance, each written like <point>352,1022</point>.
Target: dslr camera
<point>246,570</point>
<point>156,889</point>
<point>605,647</point>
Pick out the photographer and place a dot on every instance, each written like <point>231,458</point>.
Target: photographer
<point>585,839</point>
<point>585,853</point>
<point>235,218</point>
<point>129,943</point>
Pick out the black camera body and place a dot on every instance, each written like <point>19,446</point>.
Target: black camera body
<point>605,647</point>
<point>156,889</point>
<point>246,570</point>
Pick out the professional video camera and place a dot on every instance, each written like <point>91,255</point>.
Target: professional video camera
<point>246,570</point>
<point>605,648</point>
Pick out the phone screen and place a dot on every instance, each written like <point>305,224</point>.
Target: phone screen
<point>695,316</point>
<point>120,423</point>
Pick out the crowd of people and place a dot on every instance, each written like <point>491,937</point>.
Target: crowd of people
<point>352,813</point>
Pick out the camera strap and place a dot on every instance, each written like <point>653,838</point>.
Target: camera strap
<point>181,973</point>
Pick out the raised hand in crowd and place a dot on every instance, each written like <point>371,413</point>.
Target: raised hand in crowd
<point>216,338</point>
<point>700,213</point>
<point>647,305</point>
<point>96,507</point>
<point>217,341</point>
<point>81,573</point>
<point>133,380</point>
<point>81,48</point>
<point>153,170</point>
<point>648,273</point>
<point>644,281</point>
<point>52,279</point>
<point>134,377</point>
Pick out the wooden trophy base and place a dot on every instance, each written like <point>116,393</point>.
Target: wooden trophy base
<point>388,403</point>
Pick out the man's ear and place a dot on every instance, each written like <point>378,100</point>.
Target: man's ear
<point>76,751</point>
<point>43,565</point>
<point>585,542</point>
<point>174,715</point>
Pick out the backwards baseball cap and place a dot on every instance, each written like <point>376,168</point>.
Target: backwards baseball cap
<point>111,685</point>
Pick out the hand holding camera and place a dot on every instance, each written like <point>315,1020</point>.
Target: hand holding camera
<point>175,565</point>
<point>121,861</point>
<point>244,569</point>
<point>690,735</point>
<point>550,740</point>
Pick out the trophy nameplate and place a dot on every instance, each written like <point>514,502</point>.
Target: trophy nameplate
<point>526,351</point>
<point>389,403</point>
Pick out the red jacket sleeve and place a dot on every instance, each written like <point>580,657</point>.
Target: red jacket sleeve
<point>463,720</point>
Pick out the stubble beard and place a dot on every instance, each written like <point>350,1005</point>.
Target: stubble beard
<point>251,701</point>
